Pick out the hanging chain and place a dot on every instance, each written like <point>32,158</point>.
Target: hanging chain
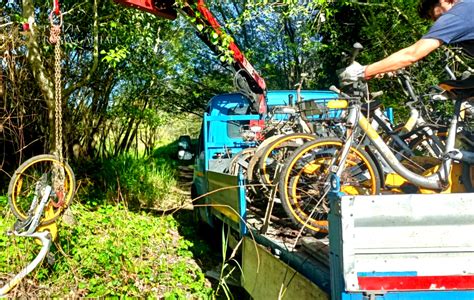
<point>55,36</point>
<point>58,172</point>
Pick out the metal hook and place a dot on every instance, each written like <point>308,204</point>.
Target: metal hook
<point>52,19</point>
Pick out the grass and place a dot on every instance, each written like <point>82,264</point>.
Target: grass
<point>109,251</point>
<point>116,247</point>
<point>137,182</point>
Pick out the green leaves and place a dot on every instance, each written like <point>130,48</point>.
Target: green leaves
<point>114,56</point>
<point>128,256</point>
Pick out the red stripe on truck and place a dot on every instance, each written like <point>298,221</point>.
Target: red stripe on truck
<point>404,283</point>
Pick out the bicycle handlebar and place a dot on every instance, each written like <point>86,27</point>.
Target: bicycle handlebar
<point>357,48</point>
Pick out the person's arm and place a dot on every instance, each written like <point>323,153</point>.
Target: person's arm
<point>403,58</point>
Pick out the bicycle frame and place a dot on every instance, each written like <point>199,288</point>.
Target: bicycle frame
<point>416,123</point>
<point>436,181</point>
<point>414,127</point>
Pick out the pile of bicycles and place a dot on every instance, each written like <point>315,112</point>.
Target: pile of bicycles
<point>353,138</point>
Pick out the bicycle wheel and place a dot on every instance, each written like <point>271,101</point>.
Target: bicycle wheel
<point>304,180</point>
<point>240,161</point>
<point>22,190</point>
<point>274,155</point>
<point>251,172</point>
<point>468,177</point>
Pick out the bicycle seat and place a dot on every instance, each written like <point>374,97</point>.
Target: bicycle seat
<point>461,88</point>
<point>372,106</point>
<point>450,85</point>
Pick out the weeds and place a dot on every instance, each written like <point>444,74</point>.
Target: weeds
<point>111,252</point>
<point>229,265</point>
<point>114,248</point>
<point>137,182</point>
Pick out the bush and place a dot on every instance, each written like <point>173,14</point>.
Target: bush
<point>136,182</point>
<point>109,251</point>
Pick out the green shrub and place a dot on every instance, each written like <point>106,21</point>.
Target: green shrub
<point>137,182</point>
<point>108,252</point>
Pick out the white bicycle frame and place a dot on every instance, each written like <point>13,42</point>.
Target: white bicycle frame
<point>436,181</point>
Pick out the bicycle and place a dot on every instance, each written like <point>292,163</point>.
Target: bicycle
<point>281,121</point>
<point>30,182</point>
<point>309,167</point>
<point>306,125</point>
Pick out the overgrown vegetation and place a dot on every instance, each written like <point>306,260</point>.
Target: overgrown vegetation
<point>131,84</point>
<point>126,73</point>
<point>110,251</point>
<point>119,241</point>
<point>137,179</point>
<point>137,182</point>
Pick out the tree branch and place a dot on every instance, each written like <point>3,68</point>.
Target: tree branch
<point>95,54</point>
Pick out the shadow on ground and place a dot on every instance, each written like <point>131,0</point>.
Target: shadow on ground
<point>207,252</point>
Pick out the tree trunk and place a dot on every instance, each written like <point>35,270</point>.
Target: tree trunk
<point>35,60</point>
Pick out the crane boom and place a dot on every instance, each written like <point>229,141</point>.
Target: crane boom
<point>255,84</point>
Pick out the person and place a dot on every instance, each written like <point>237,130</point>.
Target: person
<point>454,25</point>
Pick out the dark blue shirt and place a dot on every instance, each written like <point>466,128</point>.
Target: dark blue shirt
<point>456,26</point>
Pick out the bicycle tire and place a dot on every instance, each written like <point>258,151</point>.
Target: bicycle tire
<point>468,177</point>
<point>235,164</point>
<point>307,168</point>
<point>23,183</point>
<point>251,172</point>
<point>267,165</point>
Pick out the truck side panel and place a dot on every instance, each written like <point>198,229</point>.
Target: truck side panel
<point>409,245</point>
<point>266,277</point>
<point>227,199</point>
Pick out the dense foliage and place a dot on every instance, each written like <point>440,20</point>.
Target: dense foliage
<point>125,72</point>
<point>131,84</point>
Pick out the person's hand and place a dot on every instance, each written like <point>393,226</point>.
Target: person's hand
<point>352,73</point>
<point>387,74</point>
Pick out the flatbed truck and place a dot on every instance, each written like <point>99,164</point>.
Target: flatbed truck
<point>378,247</point>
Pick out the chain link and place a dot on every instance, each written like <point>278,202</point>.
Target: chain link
<point>58,172</point>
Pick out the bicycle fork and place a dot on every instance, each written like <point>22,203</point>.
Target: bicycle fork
<point>350,124</point>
